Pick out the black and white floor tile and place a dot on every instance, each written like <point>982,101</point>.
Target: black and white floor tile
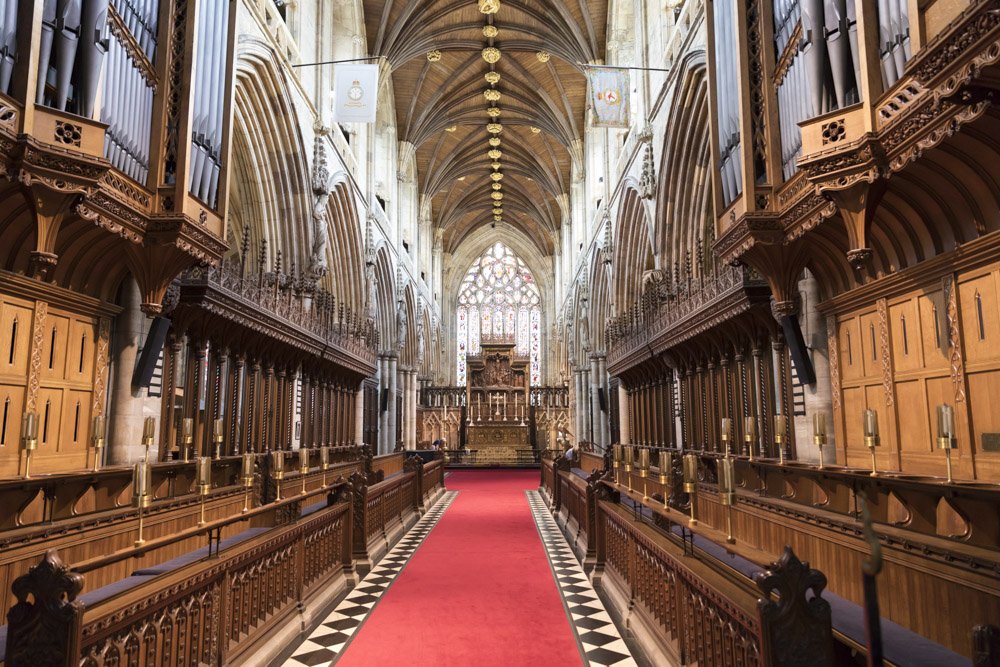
<point>331,636</point>
<point>600,641</point>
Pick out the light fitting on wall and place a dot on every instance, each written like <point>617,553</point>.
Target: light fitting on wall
<point>493,112</point>
<point>490,31</point>
<point>491,54</point>
<point>495,154</point>
<point>543,56</point>
<point>434,56</point>
<point>491,95</point>
<point>494,128</point>
<point>492,78</point>
<point>494,141</point>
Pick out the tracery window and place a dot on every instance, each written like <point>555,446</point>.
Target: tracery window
<point>499,301</point>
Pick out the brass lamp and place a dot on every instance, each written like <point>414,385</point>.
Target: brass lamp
<point>187,436</point>
<point>97,439</point>
<point>324,461</point>
<point>726,431</point>
<point>278,459</point>
<point>141,492</point>
<point>946,433</point>
<point>217,438</point>
<point>691,483</point>
<point>617,454</point>
<point>819,434</point>
<point>870,422</point>
<point>749,434</point>
<point>727,493</point>
<point>780,424</point>
<point>148,433</point>
<point>204,466</point>
<point>629,459</point>
<point>666,472</point>
<point>29,439</point>
<point>644,471</point>
<point>303,468</point>
<point>246,477</point>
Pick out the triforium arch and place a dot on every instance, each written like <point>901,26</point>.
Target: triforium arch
<point>632,255</point>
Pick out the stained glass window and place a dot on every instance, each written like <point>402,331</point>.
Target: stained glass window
<point>499,300</point>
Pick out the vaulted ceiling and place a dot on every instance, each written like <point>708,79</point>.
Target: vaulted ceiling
<point>440,75</point>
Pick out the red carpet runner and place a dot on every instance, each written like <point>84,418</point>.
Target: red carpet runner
<point>478,591</point>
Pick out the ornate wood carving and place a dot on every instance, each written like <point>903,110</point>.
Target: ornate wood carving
<point>101,365</point>
<point>883,334</point>
<point>35,365</point>
<point>954,337</point>
<point>833,349</point>
<point>795,630</point>
<point>45,632</point>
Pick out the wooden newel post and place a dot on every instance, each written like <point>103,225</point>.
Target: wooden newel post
<point>45,632</point>
<point>794,631</point>
<point>416,464</point>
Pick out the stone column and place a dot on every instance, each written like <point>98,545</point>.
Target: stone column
<point>393,384</point>
<point>580,404</point>
<point>383,415</point>
<point>414,391</point>
<point>595,401</point>
<point>624,427</point>
<point>359,414</point>
<point>602,371</point>
<point>125,420</point>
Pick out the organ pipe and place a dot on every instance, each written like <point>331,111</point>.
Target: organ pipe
<point>8,42</point>
<point>727,104</point>
<point>209,95</point>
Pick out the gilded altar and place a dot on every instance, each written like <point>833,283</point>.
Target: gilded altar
<point>481,437</point>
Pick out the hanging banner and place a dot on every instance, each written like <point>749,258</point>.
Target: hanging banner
<point>355,88</point>
<point>609,88</point>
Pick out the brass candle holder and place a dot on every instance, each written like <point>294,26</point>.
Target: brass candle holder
<point>727,494</point>
<point>141,492</point>
<point>246,477</point>
<point>29,439</point>
<point>616,452</point>
<point>749,434</point>
<point>187,437</point>
<point>278,459</point>
<point>629,459</point>
<point>819,434</point>
<point>946,434</point>
<point>324,461</point>
<point>726,432</point>
<point>666,472</point>
<point>780,424</point>
<point>217,438</point>
<point>303,468</point>
<point>691,483</point>
<point>869,420</point>
<point>97,439</point>
<point>204,467</point>
<point>644,472</point>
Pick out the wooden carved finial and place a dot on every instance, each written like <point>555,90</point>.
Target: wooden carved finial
<point>795,630</point>
<point>45,631</point>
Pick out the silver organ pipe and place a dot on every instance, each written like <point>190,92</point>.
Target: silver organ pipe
<point>8,42</point>
<point>793,92</point>
<point>830,52</point>
<point>894,39</point>
<point>128,96</point>
<point>71,52</point>
<point>209,95</point>
<point>727,103</point>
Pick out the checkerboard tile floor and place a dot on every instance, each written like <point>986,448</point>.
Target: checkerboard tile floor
<point>331,636</point>
<point>599,639</point>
